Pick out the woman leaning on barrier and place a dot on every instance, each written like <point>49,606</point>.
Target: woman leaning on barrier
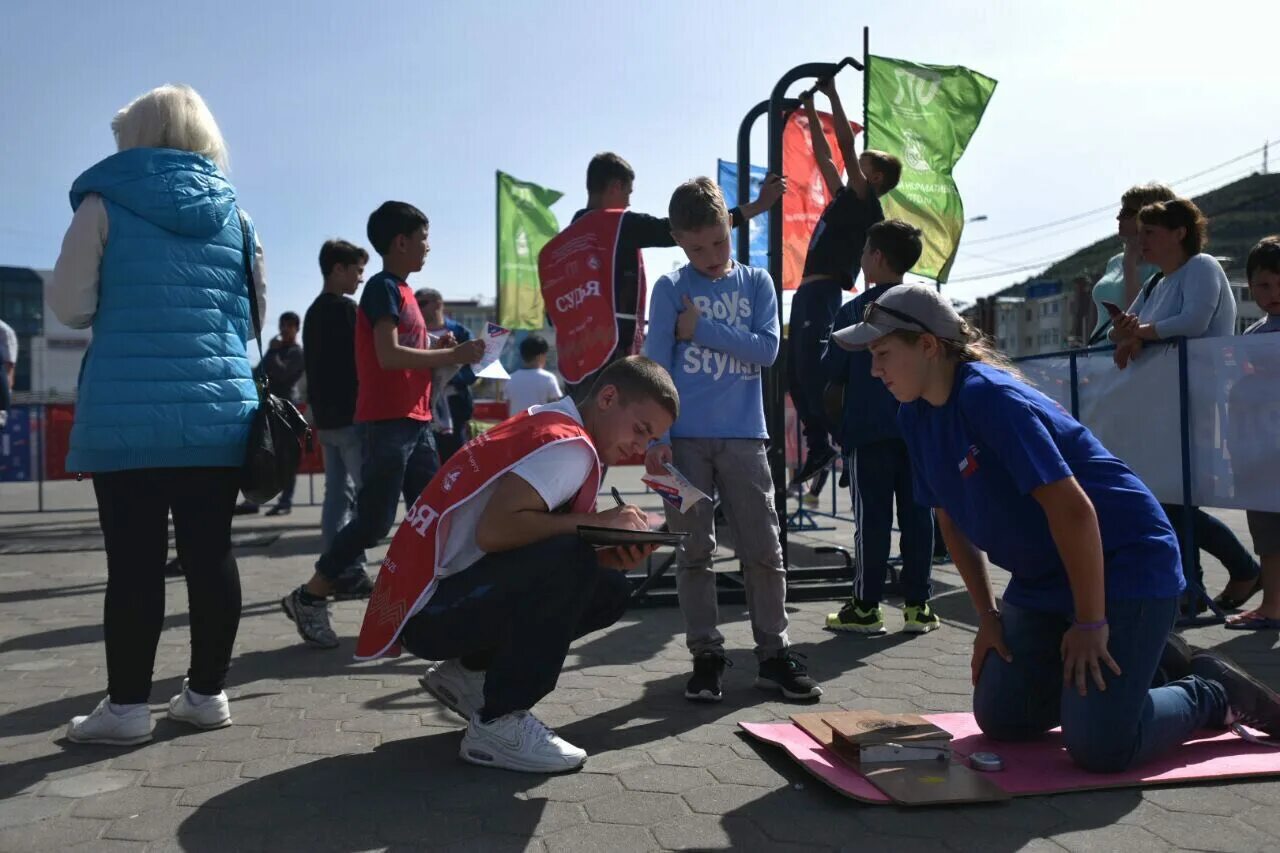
<point>1192,299</point>
<point>154,262</point>
<point>1126,273</point>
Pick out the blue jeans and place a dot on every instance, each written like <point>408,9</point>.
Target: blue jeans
<point>399,458</point>
<point>879,472</point>
<point>813,310</point>
<point>1104,731</point>
<point>342,461</point>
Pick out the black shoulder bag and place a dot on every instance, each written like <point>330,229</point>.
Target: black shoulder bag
<point>278,429</point>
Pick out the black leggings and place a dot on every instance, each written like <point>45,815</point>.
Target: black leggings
<point>133,509</point>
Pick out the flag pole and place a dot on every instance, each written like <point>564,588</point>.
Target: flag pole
<point>866,85</point>
<point>497,246</point>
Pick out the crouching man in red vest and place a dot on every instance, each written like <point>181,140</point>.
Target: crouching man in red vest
<point>487,574</point>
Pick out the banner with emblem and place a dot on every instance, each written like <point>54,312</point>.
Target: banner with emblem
<point>926,115</point>
<point>525,224</point>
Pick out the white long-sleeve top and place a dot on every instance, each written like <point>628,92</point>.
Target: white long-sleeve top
<point>73,293</point>
<point>1194,301</point>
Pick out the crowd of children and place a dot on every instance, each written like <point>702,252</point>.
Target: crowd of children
<point>488,578</point>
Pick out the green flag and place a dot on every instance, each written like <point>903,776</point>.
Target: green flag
<point>525,224</point>
<point>925,116</point>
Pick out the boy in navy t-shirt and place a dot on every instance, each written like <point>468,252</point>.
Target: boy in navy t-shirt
<point>394,412</point>
<point>876,456</point>
<point>831,266</point>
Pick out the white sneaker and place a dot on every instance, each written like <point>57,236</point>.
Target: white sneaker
<point>106,726</point>
<point>519,741</point>
<point>203,712</point>
<point>460,689</point>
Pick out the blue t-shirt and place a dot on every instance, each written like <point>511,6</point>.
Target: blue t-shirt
<point>719,372</point>
<point>981,454</point>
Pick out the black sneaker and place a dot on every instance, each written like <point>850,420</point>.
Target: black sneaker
<point>279,509</point>
<point>1249,701</point>
<point>816,461</point>
<point>245,508</point>
<point>353,587</point>
<point>1175,659</point>
<point>789,675</point>
<point>708,673</point>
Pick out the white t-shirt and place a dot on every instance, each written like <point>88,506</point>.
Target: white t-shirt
<point>531,387</point>
<point>556,473</point>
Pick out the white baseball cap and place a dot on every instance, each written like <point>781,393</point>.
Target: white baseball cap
<point>906,308</point>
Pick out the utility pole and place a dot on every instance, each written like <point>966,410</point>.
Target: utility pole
<point>1265,146</point>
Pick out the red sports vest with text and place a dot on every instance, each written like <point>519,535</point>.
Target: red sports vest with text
<point>576,270</point>
<point>407,579</point>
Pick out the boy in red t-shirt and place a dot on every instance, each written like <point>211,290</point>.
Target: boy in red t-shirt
<point>393,412</point>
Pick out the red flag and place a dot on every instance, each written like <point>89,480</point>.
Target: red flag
<point>806,195</point>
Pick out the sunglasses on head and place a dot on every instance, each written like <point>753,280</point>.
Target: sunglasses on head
<point>873,307</point>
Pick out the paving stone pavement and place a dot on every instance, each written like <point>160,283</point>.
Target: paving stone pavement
<point>328,754</point>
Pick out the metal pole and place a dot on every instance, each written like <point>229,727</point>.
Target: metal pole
<point>40,422</point>
<point>774,390</point>
<point>1075,388</point>
<point>744,176</point>
<point>1188,522</point>
<point>497,248</point>
<point>866,86</point>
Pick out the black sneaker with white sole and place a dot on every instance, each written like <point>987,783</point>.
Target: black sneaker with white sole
<point>788,675</point>
<point>1249,701</point>
<point>706,685</point>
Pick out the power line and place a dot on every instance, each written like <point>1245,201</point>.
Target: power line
<point>1110,207</point>
<point>1214,184</point>
<point>1040,264</point>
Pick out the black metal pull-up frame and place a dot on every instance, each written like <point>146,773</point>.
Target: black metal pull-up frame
<point>778,107</point>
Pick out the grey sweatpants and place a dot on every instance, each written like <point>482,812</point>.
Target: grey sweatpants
<point>736,470</point>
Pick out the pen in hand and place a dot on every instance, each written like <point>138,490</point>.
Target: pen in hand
<point>616,496</point>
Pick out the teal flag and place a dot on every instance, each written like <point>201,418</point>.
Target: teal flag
<point>925,115</point>
<point>525,224</point>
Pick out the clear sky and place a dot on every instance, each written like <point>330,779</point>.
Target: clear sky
<point>330,108</point>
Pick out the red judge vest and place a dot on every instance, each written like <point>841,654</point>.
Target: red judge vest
<point>407,579</point>
<point>576,271</point>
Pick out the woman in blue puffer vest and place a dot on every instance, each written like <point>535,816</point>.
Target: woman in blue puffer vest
<point>154,263</point>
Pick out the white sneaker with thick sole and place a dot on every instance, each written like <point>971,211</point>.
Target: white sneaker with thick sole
<point>519,741</point>
<point>460,689</point>
<point>106,726</point>
<point>203,712</point>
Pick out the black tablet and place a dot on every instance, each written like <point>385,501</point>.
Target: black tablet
<point>605,536</point>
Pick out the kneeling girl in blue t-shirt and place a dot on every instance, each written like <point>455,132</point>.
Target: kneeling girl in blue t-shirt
<point>1096,573</point>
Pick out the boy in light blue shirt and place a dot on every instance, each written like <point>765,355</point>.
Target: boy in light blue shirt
<point>713,325</point>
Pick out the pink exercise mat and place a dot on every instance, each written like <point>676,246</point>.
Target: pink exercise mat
<point>1038,767</point>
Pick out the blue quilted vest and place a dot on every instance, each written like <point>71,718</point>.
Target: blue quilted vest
<point>166,381</point>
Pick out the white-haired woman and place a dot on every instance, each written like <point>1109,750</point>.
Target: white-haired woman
<point>154,262</point>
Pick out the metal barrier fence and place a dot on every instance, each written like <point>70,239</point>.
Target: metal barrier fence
<point>33,452</point>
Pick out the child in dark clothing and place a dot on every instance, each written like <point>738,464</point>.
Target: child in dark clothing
<point>830,266</point>
<point>877,456</point>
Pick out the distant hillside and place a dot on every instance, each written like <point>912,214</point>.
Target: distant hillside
<point>1240,214</point>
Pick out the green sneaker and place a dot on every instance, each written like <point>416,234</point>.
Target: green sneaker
<point>920,619</point>
<point>858,618</point>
